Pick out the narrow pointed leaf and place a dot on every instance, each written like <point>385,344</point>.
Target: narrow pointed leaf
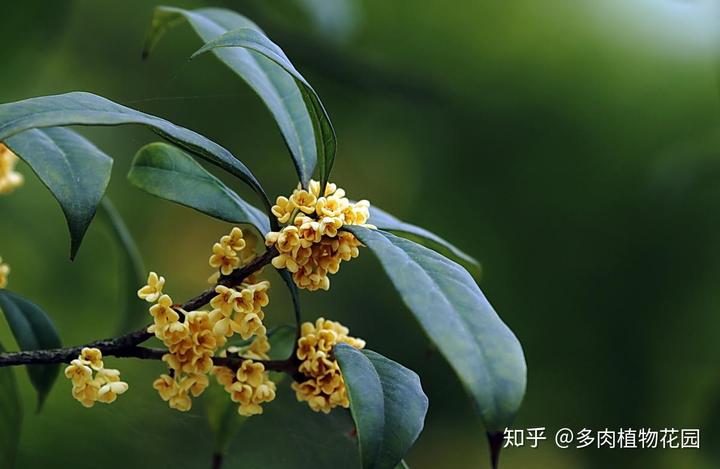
<point>73,169</point>
<point>133,312</point>
<point>387,222</point>
<point>33,330</point>
<point>254,40</point>
<point>387,403</point>
<point>457,317</point>
<point>301,122</point>
<point>11,416</point>
<point>169,173</point>
<point>81,108</point>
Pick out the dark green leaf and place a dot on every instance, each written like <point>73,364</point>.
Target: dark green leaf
<point>457,317</point>
<point>223,417</point>
<point>33,330</point>
<point>11,416</point>
<point>134,310</point>
<point>88,109</point>
<point>76,172</point>
<point>254,40</point>
<point>282,341</point>
<point>294,295</point>
<point>169,173</point>
<point>298,121</point>
<point>402,465</point>
<point>387,404</point>
<point>387,222</point>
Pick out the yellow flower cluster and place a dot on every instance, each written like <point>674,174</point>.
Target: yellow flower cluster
<point>238,311</point>
<point>9,178</point>
<point>325,388</point>
<point>4,273</point>
<point>311,245</point>
<point>232,251</point>
<point>190,341</point>
<point>193,338</point>
<point>105,386</point>
<point>249,386</point>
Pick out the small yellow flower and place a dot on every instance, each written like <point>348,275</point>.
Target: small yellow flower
<point>288,239</point>
<point>234,240</point>
<point>248,410</point>
<point>225,299</point>
<point>109,392</point>
<point>241,392</point>
<point>251,373</point>
<point>181,401</point>
<point>166,386</point>
<point>195,383</point>
<point>92,357</point>
<point>86,394</point>
<point>331,206</point>
<point>78,372</point>
<point>224,258</point>
<point>283,209</point>
<point>285,261</point>
<point>265,392</point>
<point>303,200</point>
<point>162,312</point>
<point>152,291</point>
<point>4,273</point>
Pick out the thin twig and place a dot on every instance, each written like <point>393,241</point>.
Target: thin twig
<point>128,345</point>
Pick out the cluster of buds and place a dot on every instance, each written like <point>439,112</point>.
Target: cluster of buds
<point>311,245</point>
<point>193,338</point>
<point>105,386</point>
<point>4,273</point>
<point>9,178</point>
<point>325,388</point>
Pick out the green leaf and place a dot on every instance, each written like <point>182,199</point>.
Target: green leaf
<point>133,309</point>
<point>387,404</point>
<point>459,320</point>
<point>11,416</point>
<point>387,222</point>
<point>80,108</point>
<point>223,418</point>
<point>402,465</point>
<point>301,118</point>
<point>295,296</point>
<point>254,40</point>
<point>33,330</point>
<point>282,341</point>
<point>76,172</point>
<point>169,173</point>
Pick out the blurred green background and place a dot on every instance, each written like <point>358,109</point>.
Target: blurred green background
<point>572,147</point>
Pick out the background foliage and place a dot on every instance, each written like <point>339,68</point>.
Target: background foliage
<point>571,148</point>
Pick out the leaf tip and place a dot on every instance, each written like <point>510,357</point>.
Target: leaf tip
<point>496,441</point>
